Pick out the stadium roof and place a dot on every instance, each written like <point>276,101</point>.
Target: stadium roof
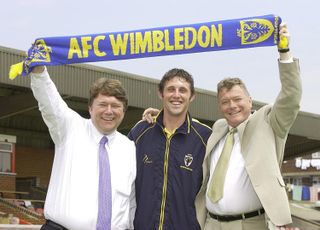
<point>19,115</point>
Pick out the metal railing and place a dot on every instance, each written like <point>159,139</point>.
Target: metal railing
<point>304,224</point>
<point>19,227</point>
<point>21,209</point>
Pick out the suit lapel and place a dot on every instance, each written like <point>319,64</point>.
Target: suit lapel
<point>243,140</point>
<point>218,131</point>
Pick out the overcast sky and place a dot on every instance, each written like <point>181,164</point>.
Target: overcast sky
<point>22,21</point>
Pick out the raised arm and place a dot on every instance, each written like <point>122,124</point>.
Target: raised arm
<point>52,107</point>
<point>287,104</point>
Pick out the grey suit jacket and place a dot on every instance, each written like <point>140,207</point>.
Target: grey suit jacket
<point>262,137</point>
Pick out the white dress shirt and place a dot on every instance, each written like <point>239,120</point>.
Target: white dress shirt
<point>238,193</point>
<point>72,198</point>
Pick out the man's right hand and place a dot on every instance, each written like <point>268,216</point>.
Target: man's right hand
<point>149,113</point>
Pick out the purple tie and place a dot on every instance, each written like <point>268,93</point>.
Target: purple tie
<point>105,202</point>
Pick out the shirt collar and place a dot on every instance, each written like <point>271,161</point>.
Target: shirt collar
<point>184,128</point>
<point>97,135</point>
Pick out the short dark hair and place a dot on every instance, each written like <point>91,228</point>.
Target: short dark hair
<point>229,82</point>
<point>175,72</point>
<point>108,87</point>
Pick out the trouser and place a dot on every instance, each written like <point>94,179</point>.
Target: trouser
<point>50,225</point>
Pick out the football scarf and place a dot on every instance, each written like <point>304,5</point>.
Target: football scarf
<point>172,40</point>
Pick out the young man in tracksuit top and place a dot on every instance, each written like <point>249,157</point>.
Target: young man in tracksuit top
<point>170,153</point>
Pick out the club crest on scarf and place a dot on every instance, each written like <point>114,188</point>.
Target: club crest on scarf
<point>254,31</point>
<point>39,52</point>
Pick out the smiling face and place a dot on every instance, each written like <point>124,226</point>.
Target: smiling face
<point>235,104</point>
<point>176,97</point>
<point>107,104</point>
<point>176,90</point>
<point>106,113</point>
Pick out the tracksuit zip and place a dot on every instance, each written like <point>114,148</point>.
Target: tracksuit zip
<point>165,182</point>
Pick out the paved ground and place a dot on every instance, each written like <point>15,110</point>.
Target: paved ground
<point>305,210</point>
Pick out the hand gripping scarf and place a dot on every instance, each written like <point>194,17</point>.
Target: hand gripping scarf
<point>182,39</point>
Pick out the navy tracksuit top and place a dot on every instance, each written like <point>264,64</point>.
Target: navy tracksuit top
<point>169,174</point>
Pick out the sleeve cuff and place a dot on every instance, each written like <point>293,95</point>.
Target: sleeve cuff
<point>39,75</point>
<point>290,60</point>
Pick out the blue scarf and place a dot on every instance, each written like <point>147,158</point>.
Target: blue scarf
<point>181,39</point>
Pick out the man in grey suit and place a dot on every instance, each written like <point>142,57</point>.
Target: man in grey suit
<point>253,184</point>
